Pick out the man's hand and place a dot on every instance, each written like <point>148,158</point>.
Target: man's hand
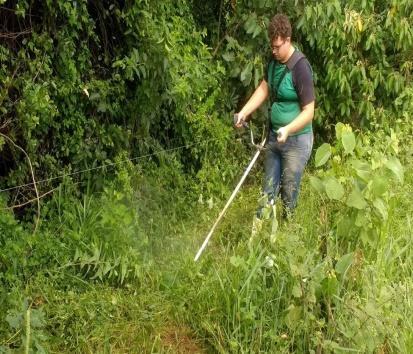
<point>282,135</point>
<point>239,120</point>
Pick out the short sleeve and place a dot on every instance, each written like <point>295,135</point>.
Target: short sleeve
<point>303,82</point>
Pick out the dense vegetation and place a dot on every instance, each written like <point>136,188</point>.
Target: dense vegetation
<point>118,115</point>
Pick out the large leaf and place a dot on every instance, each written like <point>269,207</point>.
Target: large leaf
<point>363,170</point>
<point>322,154</point>
<point>339,130</point>
<point>396,167</point>
<point>379,186</point>
<point>334,189</point>
<point>345,226</point>
<point>344,263</point>
<point>381,208</point>
<point>317,184</point>
<point>228,56</point>
<point>329,286</point>
<point>293,316</point>
<point>363,218</point>
<point>349,142</point>
<point>246,74</point>
<point>356,199</point>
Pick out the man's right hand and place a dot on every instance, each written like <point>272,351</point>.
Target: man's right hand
<point>239,120</point>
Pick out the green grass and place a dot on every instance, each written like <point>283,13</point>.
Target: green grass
<point>288,293</point>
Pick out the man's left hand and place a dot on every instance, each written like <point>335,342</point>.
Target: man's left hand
<point>282,135</point>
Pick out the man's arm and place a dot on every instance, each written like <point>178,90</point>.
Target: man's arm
<point>305,117</point>
<point>258,97</point>
<point>304,85</point>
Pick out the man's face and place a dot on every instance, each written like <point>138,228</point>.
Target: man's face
<point>279,48</point>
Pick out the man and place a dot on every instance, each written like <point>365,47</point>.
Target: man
<point>288,82</point>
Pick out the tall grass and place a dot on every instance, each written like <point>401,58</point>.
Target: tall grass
<point>305,290</point>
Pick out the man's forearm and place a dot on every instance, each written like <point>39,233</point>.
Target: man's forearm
<point>302,119</point>
<point>256,100</point>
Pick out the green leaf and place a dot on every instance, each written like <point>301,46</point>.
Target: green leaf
<point>356,200</point>
<point>334,189</point>
<point>257,31</point>
<point>378,186</point>
<point>345,226</point>
<point>14,319</point>
<point>246,74</point>
<point>363,170</point>
<point>362,218</point>
<point>381,208</point>
<point>293,316</point>
<point>251,23</point>
<point>297,291</point>
<point>317,184</point>
<point>394,165</point>
<point>322,154</point>
<point>339,129</point>
<point>37,318</point>
<point>228,56</point>
<point>236,261</point>
<point>329,286</point>
<point>349,142</point>
<point>344,263</point>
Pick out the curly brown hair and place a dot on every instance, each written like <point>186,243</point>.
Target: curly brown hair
<point>279,26</point>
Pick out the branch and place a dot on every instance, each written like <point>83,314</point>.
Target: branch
<point>14,35</point>
<point>5,124</point>
<point>33,178</point>
<point>29,201</point>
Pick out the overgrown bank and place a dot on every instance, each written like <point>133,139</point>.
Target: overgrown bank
<point>110,269</point>
<point>108,274</point>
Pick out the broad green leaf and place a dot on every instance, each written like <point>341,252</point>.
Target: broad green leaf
<point>339,129</point>
<point>322,154</point>
<point>334,189</point>
<point>317,184</point>
<point>293,316</point>
<point>250,23</point>
<point>344,263</point>
<point>379,186</point>
<point>257,31</point>
<point>329,286</point>
<point>394,165</point>
<point>344,226</point>
<point>381,208</point>
<point>365,237</point>
<point>363,170</point>
<point>362,218</point>
<point>349,141</point>
<point>236,261</point>
<point>228,56</point>
<point>246,74</point>
<point>330,346</point>
<point>356,199</point>
<point>37,318</point>
<point>297,291</point>
<point>14,318</point>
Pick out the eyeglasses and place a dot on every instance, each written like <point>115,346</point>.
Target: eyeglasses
<point>277,47</point>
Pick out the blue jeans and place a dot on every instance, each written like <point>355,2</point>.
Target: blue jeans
<point>284,166</point>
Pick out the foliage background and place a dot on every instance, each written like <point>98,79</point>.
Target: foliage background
<point>86,84</point>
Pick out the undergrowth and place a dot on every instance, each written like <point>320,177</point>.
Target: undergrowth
<point>113,272</point>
